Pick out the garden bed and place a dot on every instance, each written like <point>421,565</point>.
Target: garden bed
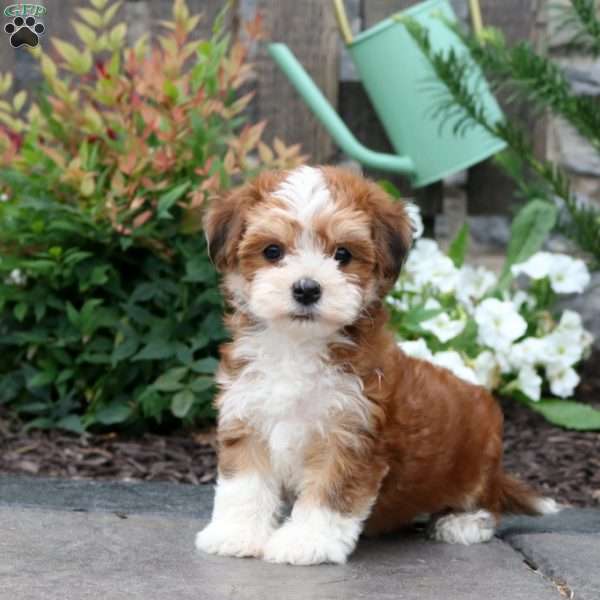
<point>563,464</point>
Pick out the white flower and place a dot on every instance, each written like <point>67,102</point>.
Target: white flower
<point>416,349</point>
<point>442,274</point>
<point>432,304</point>
<point>567,275</point>
<point>499,324</point>
<point>16,277</point>
<point>522,298</point>
<point>452,361</point>
<point>570,321</point>
<point>530,383</point>
<point>473,283</point>
<point>414,214</point>
<point>423,250</point>
<point>563,379</point>
<point>3,197</point>
<point>406,284</point>
<point>571,324</point>
<point>400,304</point>
<point>487,369</point>
<point>443,327</point>
<point>428,265</point>
<point>562,348</point>
<point>529,352</point>
<point>536,267</point>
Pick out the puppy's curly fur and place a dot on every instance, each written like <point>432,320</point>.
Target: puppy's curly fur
<point>318,407</point>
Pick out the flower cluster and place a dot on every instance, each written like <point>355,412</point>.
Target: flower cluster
<point>507,339</point>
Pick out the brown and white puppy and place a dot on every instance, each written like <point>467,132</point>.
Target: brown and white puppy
<point>318,407</point>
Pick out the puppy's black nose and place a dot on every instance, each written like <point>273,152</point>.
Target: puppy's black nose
<point>306,291</point>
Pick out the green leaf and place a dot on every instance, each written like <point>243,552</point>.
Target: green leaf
<point>568,414</point>
<point>154,350</point>
<point>41,379</point>
<point>85,34</point>
<point>529,230</point>
<point>145,291</point>
<point>78,61</point>
<point>199,384</point>
<point>94,358</point>
<point>166,201</point>
<point>184,354</point>
<point>182,403</point>
<point>171,380</point>
<point>72,315</point>
<point>39,309</point>
<point>99,276</point>
<point>171,90</point>
<point>466,341</point>
<point>89,315</point>
<point>71,423</point>
<point>199,269</point>
<point>415,316</point>
<point>65,376</point>
<point>39,423</point>
<point>390,188</point>
<point>200,340</point>
<point>205,365</point>
<point>124,350</point>
<point>10,386</point>
<point>459,246</point>
<point>20,311</point>
<point>152,403</point>
<point>32,407</point>
<point>91,16</point>
<point>117,412</point>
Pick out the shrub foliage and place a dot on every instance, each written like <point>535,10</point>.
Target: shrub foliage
<point>537,80</point>
<point>109,306</point>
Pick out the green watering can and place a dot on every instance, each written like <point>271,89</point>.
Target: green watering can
<point>401,84</point>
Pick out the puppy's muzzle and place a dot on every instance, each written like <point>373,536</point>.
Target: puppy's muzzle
<point>306,291</point>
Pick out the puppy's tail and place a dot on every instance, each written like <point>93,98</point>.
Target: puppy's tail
<point>518,498</point>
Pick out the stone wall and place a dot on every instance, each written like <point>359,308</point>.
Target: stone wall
<point>563,144</point>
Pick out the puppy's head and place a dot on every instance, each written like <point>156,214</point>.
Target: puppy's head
<point>307,249</point>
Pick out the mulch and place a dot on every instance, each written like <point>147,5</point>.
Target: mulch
<point>560,463</point>
<point>188,457</point>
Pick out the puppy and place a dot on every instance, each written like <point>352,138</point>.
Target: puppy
<point>318,407</point>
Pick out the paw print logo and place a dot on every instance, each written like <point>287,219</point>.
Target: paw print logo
<point>24,31</point>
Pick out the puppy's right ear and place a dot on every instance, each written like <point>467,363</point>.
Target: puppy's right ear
<point>225,221</point>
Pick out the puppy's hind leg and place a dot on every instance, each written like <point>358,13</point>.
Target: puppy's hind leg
<point>463,528</point>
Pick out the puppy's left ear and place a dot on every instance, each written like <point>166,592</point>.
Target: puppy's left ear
<point>392,234</point>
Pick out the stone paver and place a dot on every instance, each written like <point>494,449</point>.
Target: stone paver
<point>565,547</point>
<point>111,496</point>
<point>572,559</point>
<point>62,555</point>
<point>78,540</point>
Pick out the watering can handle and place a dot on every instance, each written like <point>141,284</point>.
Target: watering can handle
<point>323,110</point>
<point>346,32</point>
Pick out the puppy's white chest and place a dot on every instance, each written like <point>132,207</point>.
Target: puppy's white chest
<point>289,394</point>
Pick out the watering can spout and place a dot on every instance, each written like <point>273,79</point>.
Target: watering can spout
<point>331,120</point>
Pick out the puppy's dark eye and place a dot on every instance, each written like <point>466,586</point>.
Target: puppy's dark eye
<point>273,252</point>
<point>342,255</point>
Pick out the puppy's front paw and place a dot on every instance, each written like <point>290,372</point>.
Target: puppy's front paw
<point>233,539</point>
<point>298,545</point>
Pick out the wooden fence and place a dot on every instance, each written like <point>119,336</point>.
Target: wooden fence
<point>309,29</point>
